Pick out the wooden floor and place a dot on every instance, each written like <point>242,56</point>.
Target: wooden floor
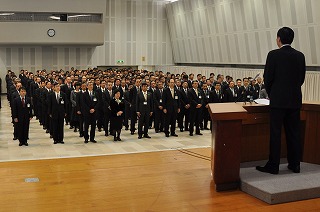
<point>157,181</point>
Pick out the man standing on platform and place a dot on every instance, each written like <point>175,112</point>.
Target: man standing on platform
<point>285,100</point>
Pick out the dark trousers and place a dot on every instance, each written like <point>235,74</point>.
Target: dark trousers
<point>89,120</point>
<point>57,128</point>
<point>133,118</point>
<point>81,127</point>
<point>206,117</point>
<point>23,129</point>
<point>126,116</point>
<point>195,116</point>
<point>184,114</point>
<point>106,120</point>
<point>170,119</point>
<point>143,123</point>
<point>290,119</point>
<point>68,112</point>
<point>100,120</point>
<point>158,120</point>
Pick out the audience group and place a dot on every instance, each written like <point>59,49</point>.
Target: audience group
<point>112,99</point>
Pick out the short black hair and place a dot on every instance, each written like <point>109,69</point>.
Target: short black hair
<point>286,35</point>
<point>22,89</point>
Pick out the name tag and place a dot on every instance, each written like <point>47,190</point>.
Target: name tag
<point>248,97</point>
<point>160,101</point>
<point>208,96</point>
<point>235,95</point>
<point>94,99</point>
<point>200,97</point>
<point>28,105</point>
<point>145,103</point>
<point>175,97</point>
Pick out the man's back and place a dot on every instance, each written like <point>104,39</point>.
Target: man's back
<point>284,75</point>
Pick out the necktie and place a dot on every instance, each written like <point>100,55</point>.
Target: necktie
<point>58,98</point>
<point>145,95</point>
<point>22,101</point>
<point>172,93</point>
<point>161,92</point>
<point>196,91</point>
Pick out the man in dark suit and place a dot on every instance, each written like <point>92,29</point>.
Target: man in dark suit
<point>205,113</point>
<point>230,94</point>
<point>158,108</point>
<point>196,102</point>
<point>133,99</point>
<point>216,96</point>
<point>22,114</point>
<point>44,100</point>
<point>284,75</point>
<point>184,108</point>
<point>57,112</point>
<point>79,107</point>
<point>13,95</point>
<point>90,106</point>
<point>144,105</point>
<point>67,88</point>
<point>171,107</point>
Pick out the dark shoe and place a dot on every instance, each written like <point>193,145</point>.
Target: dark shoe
<point>140,136</point>
<point>55,142</point>
<point>44,128</point>
<point>51,136</point>
<point>26,144</point>
<point>206,128</point>
<point>127,128</point>
<point>191,134</point>
<point>181,130</point>
<point>15,138</point>
<point>93,141</point>
<point>71,127</point>
<point>157,131</point>
<point>20,144</point>
<point>132,132</point>
<point>294,169</point>
<point>86,141</point>
<point>199,134</point>
<point>67,123</point>
<point>61,142</point>
<point>119,139</point>
<point>146,136</point>
<point>99,129</point>
<point>115,139</point>
<point>267,169</point>
<point>47,131</point>
<point>167,135</point>
<point>175,135</point>
<point>81,135</point>
<point>75,130</point>
<point>106,134</point>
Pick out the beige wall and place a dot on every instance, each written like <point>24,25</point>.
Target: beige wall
<point>241,31</point>
<point>35,33</point>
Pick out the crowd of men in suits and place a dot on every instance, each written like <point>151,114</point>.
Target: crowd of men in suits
<point>81,99</point>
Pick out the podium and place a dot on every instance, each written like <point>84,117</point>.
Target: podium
<point>240,133</point>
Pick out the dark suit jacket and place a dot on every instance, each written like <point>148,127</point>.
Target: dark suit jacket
<point>22,113</point>
<point>228,95</point>
<point>184,98</point>
<point>140,103</point>
<point>195,99</point>
<point>169,103</point>
<point>89,103</point>
<point>214,97</point>
<point>284,75</point>
<point>157,98</point>
<point>56,109</point>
